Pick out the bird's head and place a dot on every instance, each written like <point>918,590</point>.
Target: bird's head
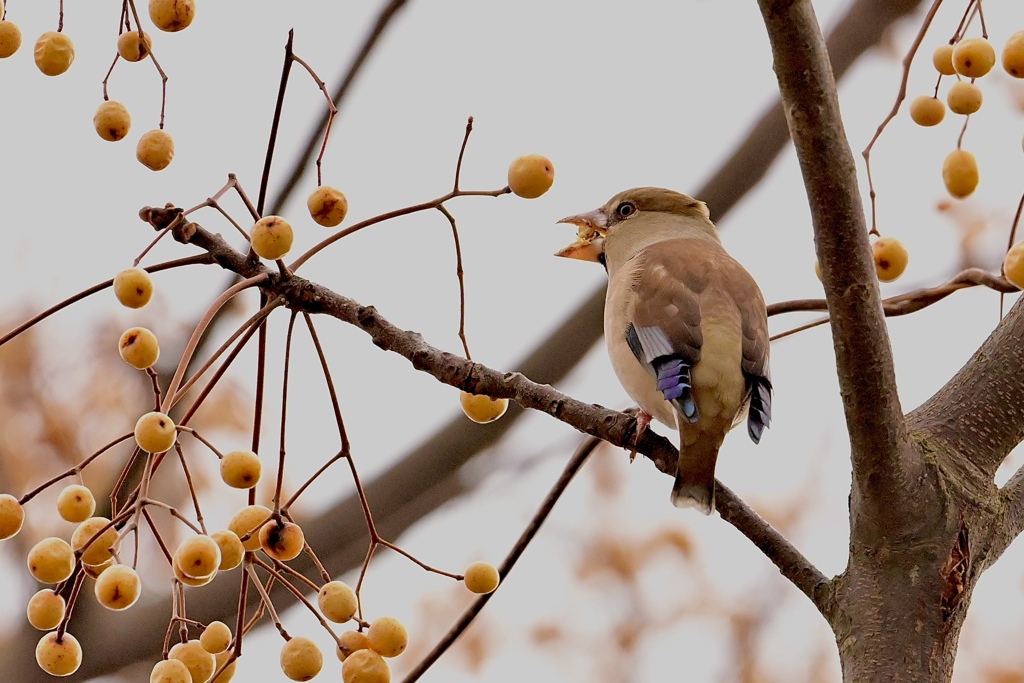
<point>635,219</point>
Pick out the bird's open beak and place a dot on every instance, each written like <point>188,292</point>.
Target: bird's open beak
<point>589,244</point>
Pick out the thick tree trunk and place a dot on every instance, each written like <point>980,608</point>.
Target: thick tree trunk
<point>900,608</point>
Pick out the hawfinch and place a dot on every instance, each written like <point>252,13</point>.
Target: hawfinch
<point>686,326</point>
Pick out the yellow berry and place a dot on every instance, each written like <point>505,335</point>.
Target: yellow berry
<point>337,601</point>
<point>12,516</point>
<point>352,641</point>
<point>301,659</point>
<point>10,38</point>
<point>1013,55</point>
<point>1013,265</point>
<point>130,48</point>
<point>960,173</point>
<point>93,571</point>
<point>891,258</point>
<point>281,540</point>
<point>171,16</point>
<point>942,58</point>
<point>100,543</point>
<point>75,503</point>
<point>229,671</point>
<point>927,111</point>
<point>133,287</point>
<point>365,666</point>
<point>198,556</point>
<point>272,237</point>
<point>45,610</point>
<point>155,432</point>
<point>240,469</point>
<point>246,522</point>
<point>964,98</point>
<point>973,57</point>
<point>388,637</point>
<point>481,578</point>
<point>51,560</point>
<point>231,549</point>
<point>216,637</point>
<point>190,580</point>
<point>817,270</point>
<point>170,671</point>
<point>531,175</point>
<point>201,664</point>
<point>112,121</point>
<point>482,409</point>
<point>139,348</point>
<point>155,150</point>
<point>327,206</point>
<point>54,53</point>
<point>118,587</point>
<point>59,657</point>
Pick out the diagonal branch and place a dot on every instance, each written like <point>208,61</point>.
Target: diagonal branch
<point>783,554</point>
<point>1010,522</point>
<point>882,473</point>
<point>979,413</point>
<point>609,425</point>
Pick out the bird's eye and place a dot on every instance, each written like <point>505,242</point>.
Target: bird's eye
<point>625,209</point>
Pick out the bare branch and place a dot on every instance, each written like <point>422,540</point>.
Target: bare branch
<point>579,457</point>
<point>1010,523</point>
<point>791,563</point>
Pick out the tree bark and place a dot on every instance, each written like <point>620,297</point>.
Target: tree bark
<point>899,605</point>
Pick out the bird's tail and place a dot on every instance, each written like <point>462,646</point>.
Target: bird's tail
<point>695,479</point>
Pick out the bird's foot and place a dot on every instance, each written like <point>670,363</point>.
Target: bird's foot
<point>643,421</point>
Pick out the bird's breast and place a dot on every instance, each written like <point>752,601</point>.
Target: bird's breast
<point>637,380</point>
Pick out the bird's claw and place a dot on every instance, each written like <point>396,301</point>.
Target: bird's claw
<point>643,421</point>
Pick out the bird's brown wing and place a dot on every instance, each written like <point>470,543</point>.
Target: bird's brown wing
<point>665,331</point>
<point>756,345</point>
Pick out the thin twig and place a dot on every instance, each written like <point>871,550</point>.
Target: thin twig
<point>276,122</point>
<point>383,20</point>
<point>332,111</point>
<point>547,505</point>
<point>901,95</point>
<point>460,275</point>
<point>204,322</point>
<point>901,304</point>
<point>204,259</point>
<point>156,64</point>
<point>462,152</point>
<point>281,450</point>
<point>432,204</point>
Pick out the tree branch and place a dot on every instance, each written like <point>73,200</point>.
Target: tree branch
<point>791,563</point>
<point>609,425</point>
<point>979,413</point>
<point>1010,523</point>
<point>883,472</point>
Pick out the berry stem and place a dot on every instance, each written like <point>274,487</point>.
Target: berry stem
<point>193,342</point>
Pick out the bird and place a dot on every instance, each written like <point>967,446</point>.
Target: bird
<point>685,324</point>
